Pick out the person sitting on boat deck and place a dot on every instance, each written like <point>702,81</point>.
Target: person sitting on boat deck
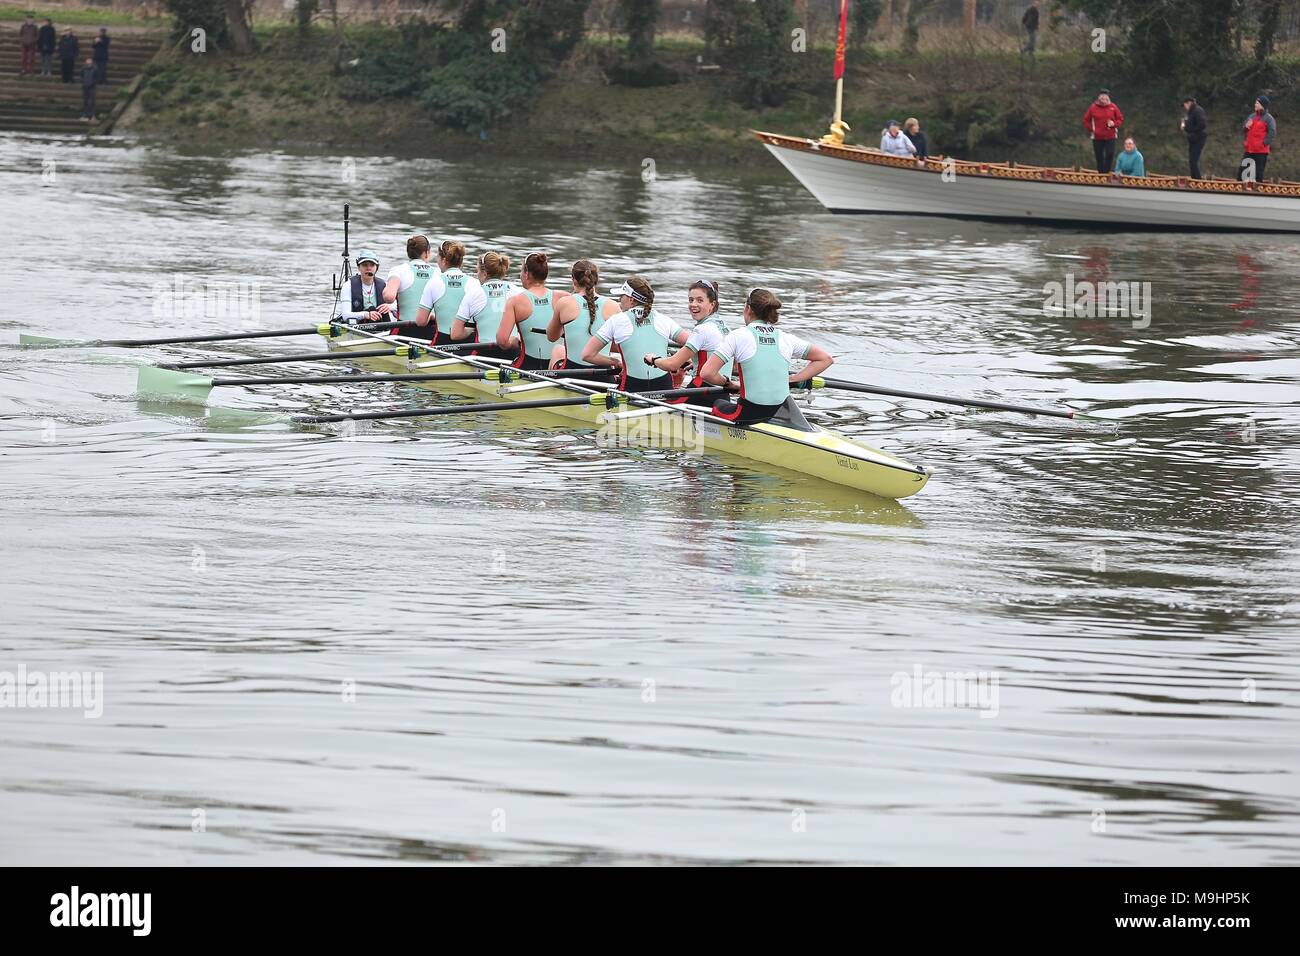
<point>406,283</point>
<point>638,335</point>
<point>895,142</point>
<point>762,353</point>
<point>1260,129</point>
<point>912,129</point>
<point>704,339</point>
<point>575,319</point>
<point>364,300</point>
<point>1102,120</point>
<point>528,313</point>
<point>441,306</point>
<point>483,307</point>
<point>1130,162</point>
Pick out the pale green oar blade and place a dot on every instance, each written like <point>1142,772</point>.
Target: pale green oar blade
<point>153,380</point>
<point>25,339</point>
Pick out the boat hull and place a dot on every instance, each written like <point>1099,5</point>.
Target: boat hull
<point>858,180</point>
<point>819,453</point>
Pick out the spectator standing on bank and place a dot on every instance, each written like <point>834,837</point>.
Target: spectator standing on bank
<point>1129,162</point>
<point>1194,126</point>
<point>1102,121</point>
<point>89,77</point>
<point>99,50</point>
<point>68,50</point>
<point>1260,129</point>
<point>27,34</point>
<point>912,126</point>
<point>45,47</point>
<point>1030,22</point>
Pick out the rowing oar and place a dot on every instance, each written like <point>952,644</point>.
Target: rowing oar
<point>25,339</point>
<point>947,400</point>
<point>331,356</point>
<point>170,382</point>
<point>601,399</point>
<point>606,400</point>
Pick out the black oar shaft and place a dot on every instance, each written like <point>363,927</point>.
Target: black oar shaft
<point>402,377</point>
<point>234,336</point>
<point>947,399</point>
<point>350,379</point>
<point>296,357</point>
<point>444,410</point>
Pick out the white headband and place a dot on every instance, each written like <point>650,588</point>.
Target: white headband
<point>627,290</point>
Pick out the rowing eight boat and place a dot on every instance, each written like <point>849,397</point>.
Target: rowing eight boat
<point>790,442</point>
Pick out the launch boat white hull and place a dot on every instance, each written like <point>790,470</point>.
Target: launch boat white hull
<point>857,179</point>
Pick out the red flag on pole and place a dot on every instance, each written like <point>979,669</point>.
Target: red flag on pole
<point>839,42</point>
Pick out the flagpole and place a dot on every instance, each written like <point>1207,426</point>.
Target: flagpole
<point>838,127</point>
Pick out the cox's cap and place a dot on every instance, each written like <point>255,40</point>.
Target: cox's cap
<point>367,257</point>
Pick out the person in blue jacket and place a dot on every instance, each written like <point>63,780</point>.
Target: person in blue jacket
<point>1129,162</point>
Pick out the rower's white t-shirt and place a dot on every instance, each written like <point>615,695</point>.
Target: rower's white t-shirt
<point>435,290</point>
<point>740,346</point>
<point>405,278</point>
<point>475,300</point>
<point>617,329</point>
<point>705,337</point>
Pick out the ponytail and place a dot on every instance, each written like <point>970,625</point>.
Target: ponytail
<point>495,265</point>
<point>535,265</point>
<point>645,297</point>
<point>452,252</point>
<point>765,306</point>
<point>585,277</point>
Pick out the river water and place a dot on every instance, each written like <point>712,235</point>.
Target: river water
<point>460,639</point>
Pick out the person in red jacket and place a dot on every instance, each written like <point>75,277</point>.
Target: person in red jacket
<point>1260,129</point>
<point>1102,121</point>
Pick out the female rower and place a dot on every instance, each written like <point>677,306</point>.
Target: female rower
<point>483,307</point>
<point>407,283</point>
<point>705,338</point>
<point>762,354</point>
<point>636,333</point>
<point>529,313</point>
<point>576,319</point>
<point>443,301</point>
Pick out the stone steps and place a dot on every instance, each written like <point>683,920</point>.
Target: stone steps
<point>48,105</point>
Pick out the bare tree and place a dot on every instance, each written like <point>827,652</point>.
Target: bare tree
<point>241,34</point>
